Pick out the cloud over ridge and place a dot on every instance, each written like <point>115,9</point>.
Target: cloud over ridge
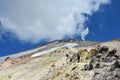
<point>33,20</point>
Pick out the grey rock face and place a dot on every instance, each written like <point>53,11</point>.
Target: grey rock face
<point>106,64</point>
<point>115,65</point>
<point>103,49</point>
<point>112,53</point>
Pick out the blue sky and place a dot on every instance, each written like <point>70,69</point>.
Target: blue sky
<point>107,23</point>
<point>99,23</point>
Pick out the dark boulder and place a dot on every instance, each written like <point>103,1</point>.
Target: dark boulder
<point>7,58</point>
<point>97,65</point>
<point>115,65</point>
<point>86,67</point>
<point>103,49</point>
<point>99,56</point>
<point>112,53</point>
<point>117,57</point>
<point>90,66</point>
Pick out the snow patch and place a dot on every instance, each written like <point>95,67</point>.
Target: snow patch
<point>44,52</point>
<point>21,53</point>
<point>69,45</point>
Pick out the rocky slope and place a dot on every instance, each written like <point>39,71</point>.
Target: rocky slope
<point>65,60</point>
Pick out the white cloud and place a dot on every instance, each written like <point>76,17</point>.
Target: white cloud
<point>33,20</point>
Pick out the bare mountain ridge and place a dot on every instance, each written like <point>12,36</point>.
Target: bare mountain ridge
<point>66,60</point>
<point>49,45</point>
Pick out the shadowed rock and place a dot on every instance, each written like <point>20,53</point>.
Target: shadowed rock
<point>115,65</point>
<point>7,58</point>
<point>112,53</point>
<point>103,49</point>
<point>86,67</point>
<point>117,57</point>
<point>98,56</point>
<point>90,66</point>
<point>97,65</point>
